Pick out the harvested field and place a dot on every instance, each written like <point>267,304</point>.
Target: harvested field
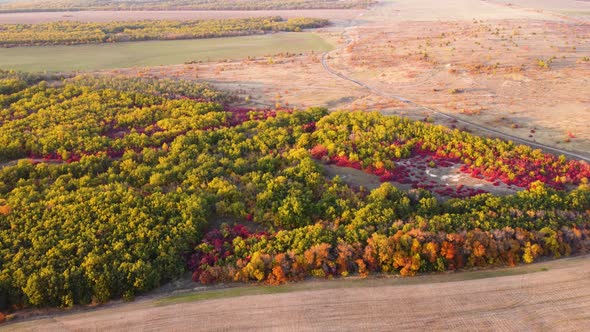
<point>519,69</point>
<point>108,16</point>
<point>546,296</point>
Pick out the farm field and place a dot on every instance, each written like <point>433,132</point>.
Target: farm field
<point>551,295</point>
<point>156,53</point>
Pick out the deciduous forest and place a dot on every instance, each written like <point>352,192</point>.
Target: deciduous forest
<point>110,187</point>
<point>70,33</point>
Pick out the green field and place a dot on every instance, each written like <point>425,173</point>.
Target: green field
<point>154,53</point>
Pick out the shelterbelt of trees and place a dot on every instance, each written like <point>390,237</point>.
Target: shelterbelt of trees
<point>70,33</point>
<point>76,5</point>
<point>110,187</point>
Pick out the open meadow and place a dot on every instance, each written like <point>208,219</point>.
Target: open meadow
<point>156,53</point>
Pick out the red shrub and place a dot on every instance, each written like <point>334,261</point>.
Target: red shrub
<point>319,151</point>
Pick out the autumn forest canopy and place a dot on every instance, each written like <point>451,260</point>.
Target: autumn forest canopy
<point>71,33</point>
<point>110,187</point>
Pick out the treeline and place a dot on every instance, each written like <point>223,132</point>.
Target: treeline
<point>70,33</point>
<point>112,187</point>
<point>234,254</point>
<point>76,5</point>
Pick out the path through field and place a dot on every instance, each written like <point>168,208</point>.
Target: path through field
<point>552,296</point>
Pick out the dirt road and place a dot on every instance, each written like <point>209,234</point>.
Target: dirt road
<point>552,296</point>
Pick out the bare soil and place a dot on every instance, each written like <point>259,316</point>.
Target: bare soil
<point>484,68</point>
<point>291,81</point>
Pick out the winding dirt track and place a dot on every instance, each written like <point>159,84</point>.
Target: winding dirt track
<point>553,300</point>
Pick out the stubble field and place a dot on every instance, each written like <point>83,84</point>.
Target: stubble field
<point>520,69</point>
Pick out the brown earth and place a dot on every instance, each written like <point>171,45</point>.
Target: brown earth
<point>291,81</point>
<point>550,296</point>
<point>485,69</point>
